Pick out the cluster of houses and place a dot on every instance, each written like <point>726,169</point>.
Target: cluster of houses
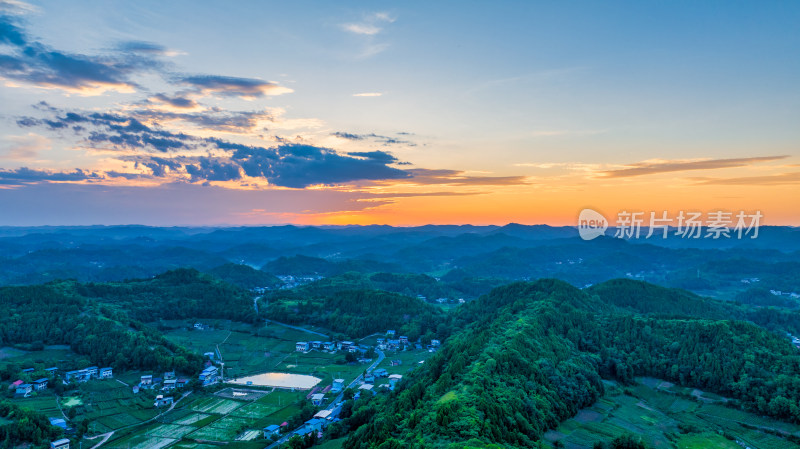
<point>168,383</point>
<point>24,389</point>
<point>442,300</point>
<point>290,281</point>
<point>390,342</point>
<point>306,346</point>
<point>789,294</point>
<point>86,374</point>
<point>317,424</point>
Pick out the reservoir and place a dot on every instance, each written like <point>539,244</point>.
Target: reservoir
<point>279,380</point>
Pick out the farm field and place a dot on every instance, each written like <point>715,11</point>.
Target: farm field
<point>215,418</point>
<point>109,405</point>
<point>664,415</point>
<point>216,405</point>
<point>245,349</point>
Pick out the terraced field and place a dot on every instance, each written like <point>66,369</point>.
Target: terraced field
<point>664,416</point>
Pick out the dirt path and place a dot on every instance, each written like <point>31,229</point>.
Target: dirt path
<point>58,403</point>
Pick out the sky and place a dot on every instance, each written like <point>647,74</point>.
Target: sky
<point>401,113</point>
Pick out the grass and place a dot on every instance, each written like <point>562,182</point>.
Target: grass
<point>705,440</point>
<point>331,444</point>
<point>246,349</point>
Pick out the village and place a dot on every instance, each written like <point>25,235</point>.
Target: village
<point>171,408</point>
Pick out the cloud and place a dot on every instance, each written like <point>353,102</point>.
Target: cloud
<point>16,8</point>
<point>368,29</point>
<point>362,28</point>
<point>216,119</point>
<point>777,179</point>
<point>176,102</point>
<point>26,175</point>
<point>37,64</point>
<point>298,166</point>
<point>213,169</point>
<point>117,130</point>
<point>368,94</point>
<point>380,156</point>
<point>24,147</point>
<point>656,167</point>
<point>231,86</point>
<point>385,140</point>
<point>459,178</point>
<point>371,25</point>
<point>147,48</point>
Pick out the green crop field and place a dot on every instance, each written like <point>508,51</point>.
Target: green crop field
<point>246,349</point>
<point>44,402</point>
<point>192,419</point>
<point>705,441</point>
<point>141,441</point>
<point>216,405</point>
<point>256,410</point>
<point>170,431</point>
<point>658,415</point>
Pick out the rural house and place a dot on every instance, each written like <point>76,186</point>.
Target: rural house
<point>40,384</point>
<point>302,346</point>
<point>106,373</point>
<point>270,430</point>
<point>60,444</point>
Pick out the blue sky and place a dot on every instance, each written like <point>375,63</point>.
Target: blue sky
<point>398,112</point>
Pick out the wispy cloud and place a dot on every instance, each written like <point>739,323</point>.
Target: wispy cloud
<point>24,147</point>
<point>368,94</point>
<point>231,86</point>
<point>368,29</point>
<point>385,140</point>
<point>424,176</point>
<point>16,7</point>
<point>371,25</point>
<point>669,166</point>
<point>362,28</point>
<point>766,180</point>
<point>26,175</point>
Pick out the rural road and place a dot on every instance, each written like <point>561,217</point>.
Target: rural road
<point>338,399</point>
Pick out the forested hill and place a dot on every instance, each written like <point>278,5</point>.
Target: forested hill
<point>535,353</point>
<point>105,322</point>
<point>355,311</point>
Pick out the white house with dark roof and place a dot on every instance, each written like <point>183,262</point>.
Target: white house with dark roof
<point>106,373</point>
<point>302,346</point>
<point>60,444</point>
